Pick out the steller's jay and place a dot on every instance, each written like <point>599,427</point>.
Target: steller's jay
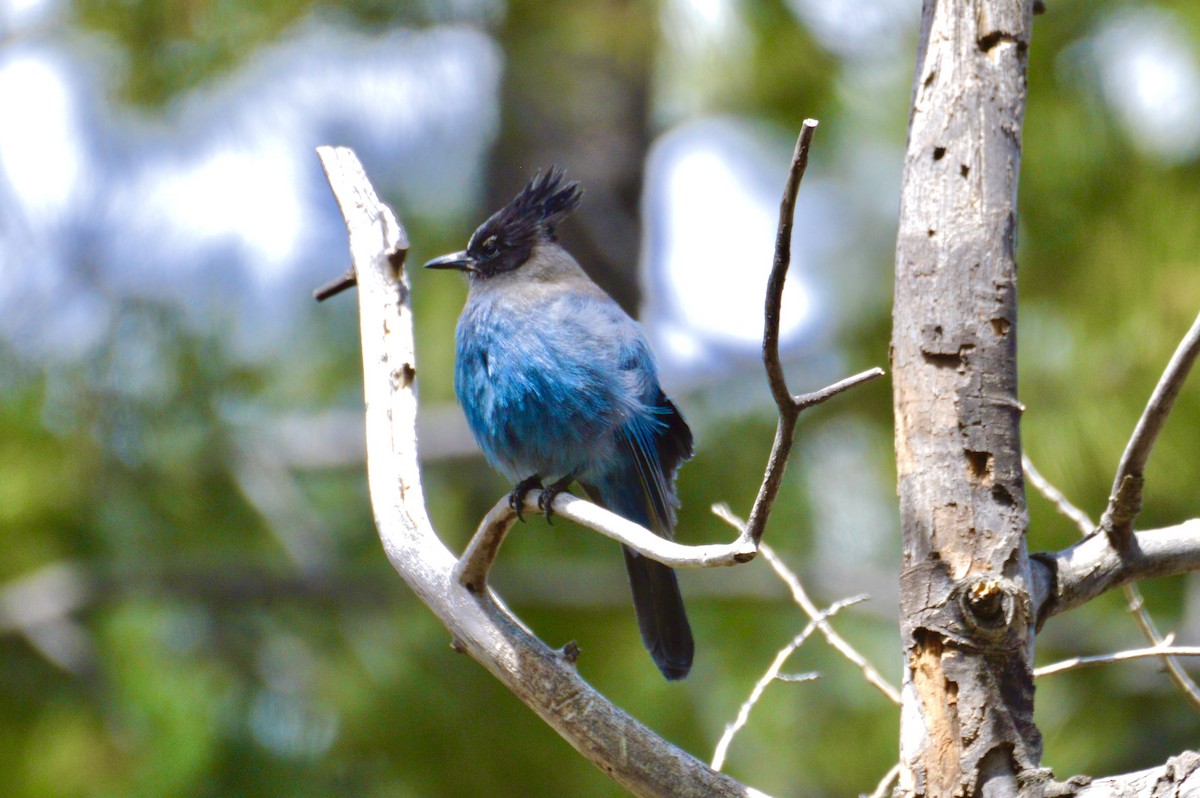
<point>558,386</point>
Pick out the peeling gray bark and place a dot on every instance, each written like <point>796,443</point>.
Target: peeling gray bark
<point>1064,580</point>
<point>967,726</point>
<point>1179,777</point>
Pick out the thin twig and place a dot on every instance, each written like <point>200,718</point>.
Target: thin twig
<point>886,782</point>
<point>806,400</point>
<point>1055,497</point>
<point>472,568</point>
<point>771,674</point>
<point>1133,596</point>
<point>798,677</point>
<point>785,428</point>
<point>779,267</point>
<point>785,431</point>
<point>1145,622</point>
<point>336,286</point>
<point>1126,501</point>
<point>1163,650</point>
<point>801,597</point>
<point>789,406</point>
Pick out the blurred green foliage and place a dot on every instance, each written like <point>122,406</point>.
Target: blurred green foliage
<point>170,46</point>
<point>199,651</point>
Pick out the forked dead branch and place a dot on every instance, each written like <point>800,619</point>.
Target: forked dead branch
<point>456,589</point>
<point>1121,555</point>
<point>1126,500</point>
<point>479,624</point>
<point>481,552</point>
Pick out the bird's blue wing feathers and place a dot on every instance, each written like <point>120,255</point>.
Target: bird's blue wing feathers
<point>583,401</point>
<point>657,443</point>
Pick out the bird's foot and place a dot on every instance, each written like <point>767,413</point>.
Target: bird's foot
<point>516,499</point>
<point>550,493</point>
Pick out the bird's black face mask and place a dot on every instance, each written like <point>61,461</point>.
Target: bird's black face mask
<point>505,241</point>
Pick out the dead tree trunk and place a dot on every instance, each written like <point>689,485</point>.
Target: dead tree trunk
<point>967,721</point>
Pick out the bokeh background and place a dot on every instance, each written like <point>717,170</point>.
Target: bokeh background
<point>193,601</point>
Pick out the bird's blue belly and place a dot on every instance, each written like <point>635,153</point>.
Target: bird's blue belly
<point>533,405</point>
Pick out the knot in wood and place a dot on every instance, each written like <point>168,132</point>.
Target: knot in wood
<point>570,652</point>
<point>989,605</point>
<point>985,612</point>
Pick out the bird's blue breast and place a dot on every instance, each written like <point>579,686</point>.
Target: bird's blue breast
<point>535,383</point>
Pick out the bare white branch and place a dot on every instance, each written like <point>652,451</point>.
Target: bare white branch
<point>771,674</point>
<point>480,553</point>
<point>800,596</point>
<point>885,784</point>
<point>1056,497</point>
<point>1179,776</point>
<point>1126,500</point>
<point>645,542</point>
<point>544,679</point>
<point>1163,650</point>
<point>1133,596</point>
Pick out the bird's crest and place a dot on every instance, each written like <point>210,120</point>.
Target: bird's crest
<point>544,202</point>
<point>506,239</point>
<point>539,207</point>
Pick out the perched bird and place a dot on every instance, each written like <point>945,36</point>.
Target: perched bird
<point>559,385</point>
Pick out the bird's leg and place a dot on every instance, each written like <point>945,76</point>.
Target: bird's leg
<point>516,499</point>
<point>546,500</point>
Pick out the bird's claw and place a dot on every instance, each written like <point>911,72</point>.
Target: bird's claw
<point>516,499</point>
<point>549,494</point>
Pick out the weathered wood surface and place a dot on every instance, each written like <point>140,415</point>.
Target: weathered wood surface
<point>967,723</point>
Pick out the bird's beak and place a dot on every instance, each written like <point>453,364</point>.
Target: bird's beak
<point>457,260</point>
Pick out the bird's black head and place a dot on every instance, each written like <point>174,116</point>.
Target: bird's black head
<point>507,238</point>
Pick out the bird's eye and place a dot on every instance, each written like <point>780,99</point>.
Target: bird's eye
<point>490,247</point>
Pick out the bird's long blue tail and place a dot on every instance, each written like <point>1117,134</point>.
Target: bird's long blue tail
<point>662,619</point>
<point>661,616</point>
